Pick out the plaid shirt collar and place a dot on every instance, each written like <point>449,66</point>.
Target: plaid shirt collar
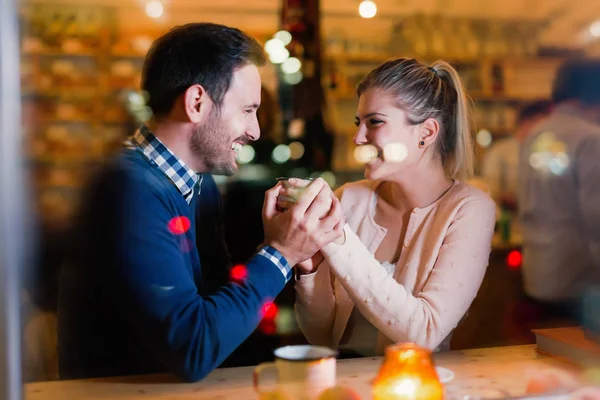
<point>158,154</point>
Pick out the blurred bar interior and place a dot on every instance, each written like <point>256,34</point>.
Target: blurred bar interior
<point>80,73</point>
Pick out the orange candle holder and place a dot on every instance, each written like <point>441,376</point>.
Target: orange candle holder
<point>407,373</point>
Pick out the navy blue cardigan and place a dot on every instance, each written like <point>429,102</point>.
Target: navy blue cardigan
<point>148,289</point>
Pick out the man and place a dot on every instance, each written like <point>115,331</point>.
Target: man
<point>501,164</point>
<point>149,290</point>
<point>559,195</point>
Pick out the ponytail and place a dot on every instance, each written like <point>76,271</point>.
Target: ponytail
<point>459,162</point>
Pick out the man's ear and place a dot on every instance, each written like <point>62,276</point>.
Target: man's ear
<point>197,103</point>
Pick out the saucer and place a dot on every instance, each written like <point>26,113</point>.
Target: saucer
<point>444,374</point>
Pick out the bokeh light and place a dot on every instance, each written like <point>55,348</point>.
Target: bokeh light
<point>269,310</point>
<point>514,259</point>
<point>279,55</point>
<point>284,36</point>
<point>484,138</point>
<point>549,155</point>
<point>246,154</point>
<point>364,154</point>
<point>367,9</point>
<point>281,153</point>
<point>291,65</point>
<point>293,79</point>
<point>154,9</point>
<point>268,327</point>
<point>179,225</point>
<point>285,322</point>
<point>329,177</point>
<point>395,152</point>
<point>595,28</point>
<point>296,150</point>
<point>239,273</point>
<point>274,45</point>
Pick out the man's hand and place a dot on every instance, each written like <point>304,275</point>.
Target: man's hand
<point>299,232</point>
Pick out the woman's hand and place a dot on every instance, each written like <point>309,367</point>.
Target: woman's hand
<point>311,265</point>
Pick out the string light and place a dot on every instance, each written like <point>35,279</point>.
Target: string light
<point>291,65</point>
<point>514,259</point>
<point>367,9</point>
<point>284,36</point>
<point>595,28</point>
<point>154,9</point>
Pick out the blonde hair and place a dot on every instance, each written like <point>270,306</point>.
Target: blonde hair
<point>431,92</point>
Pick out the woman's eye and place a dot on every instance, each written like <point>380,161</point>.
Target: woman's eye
<point>375,122</point>
<point>356,123</point>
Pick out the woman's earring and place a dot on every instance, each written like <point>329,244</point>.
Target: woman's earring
<point>421,143</point>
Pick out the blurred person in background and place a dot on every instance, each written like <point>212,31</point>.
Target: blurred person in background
<point>148,289</point>
<point>500,168</point>
<point>559,196</point>
<point>418,240</point>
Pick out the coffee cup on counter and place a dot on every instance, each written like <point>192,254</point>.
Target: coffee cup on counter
<point>303,372</point>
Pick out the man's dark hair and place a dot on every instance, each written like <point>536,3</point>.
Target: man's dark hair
<point>537,108</point>
<point>198,53</point>
<point>578,79</point>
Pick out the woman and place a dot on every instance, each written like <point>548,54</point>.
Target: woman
<point>417,240</point>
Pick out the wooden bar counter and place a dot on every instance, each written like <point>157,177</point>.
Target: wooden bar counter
<point>503,368</point>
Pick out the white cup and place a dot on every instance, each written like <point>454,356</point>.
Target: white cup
<point>303,372</point>
<point>285,202</point>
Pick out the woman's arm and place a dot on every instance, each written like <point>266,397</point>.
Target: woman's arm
<point>315,305</point>
<point>315,298</point>
<point>430,316</point>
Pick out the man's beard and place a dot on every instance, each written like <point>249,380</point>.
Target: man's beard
<point>209,143</point>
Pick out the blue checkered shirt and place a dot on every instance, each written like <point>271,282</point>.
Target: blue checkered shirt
<point>158,154</point>
<point>185,179</point>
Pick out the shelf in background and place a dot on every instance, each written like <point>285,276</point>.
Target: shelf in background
<point>60,53</point>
